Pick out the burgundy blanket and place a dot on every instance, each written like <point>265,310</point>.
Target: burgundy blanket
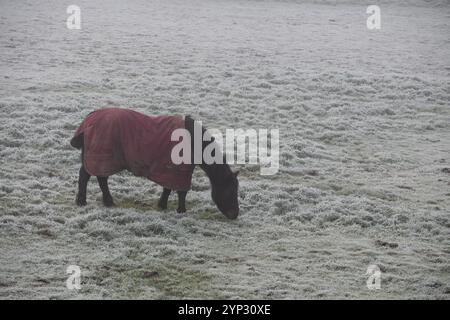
<point>116,139</point>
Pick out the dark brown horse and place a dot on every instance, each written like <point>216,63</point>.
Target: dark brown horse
<point>224,183</point>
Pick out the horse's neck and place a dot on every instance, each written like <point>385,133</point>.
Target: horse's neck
<point>216,172</point>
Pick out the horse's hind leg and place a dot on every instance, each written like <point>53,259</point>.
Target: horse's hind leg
<point>107,198</point>
<point>181,201</point>
<point>82,185</point>
<point>162,203</point>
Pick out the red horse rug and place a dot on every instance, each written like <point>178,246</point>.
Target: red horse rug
<point>116,139</point>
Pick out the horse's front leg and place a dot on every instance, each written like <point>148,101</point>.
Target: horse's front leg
<point>83,180</point>
<point>162,203</point>
<point>181,201</point>
<point>107,197</point>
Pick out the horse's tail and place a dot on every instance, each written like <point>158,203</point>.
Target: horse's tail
<point>77,141</point>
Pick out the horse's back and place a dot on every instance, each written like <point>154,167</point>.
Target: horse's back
<point>114,139</point>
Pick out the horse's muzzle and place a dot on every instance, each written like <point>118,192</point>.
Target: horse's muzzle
<point>232,214</point>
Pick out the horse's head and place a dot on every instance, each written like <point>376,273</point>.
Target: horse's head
<point>225,195</point>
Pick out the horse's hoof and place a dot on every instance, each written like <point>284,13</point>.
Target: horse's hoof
<point>109,203</point>
<point>162,206</point>
<point>181,210</point>
<point>80,202</point>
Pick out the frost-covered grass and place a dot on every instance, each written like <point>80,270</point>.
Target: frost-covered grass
<point>364,121</point>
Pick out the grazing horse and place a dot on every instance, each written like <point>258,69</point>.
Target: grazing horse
<point>115,139</point>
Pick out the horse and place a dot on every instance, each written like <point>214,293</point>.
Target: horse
<point>106,148</point>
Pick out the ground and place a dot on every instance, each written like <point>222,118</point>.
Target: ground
<point>364,166</point>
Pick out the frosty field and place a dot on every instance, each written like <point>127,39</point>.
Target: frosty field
<point>364,172</point>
